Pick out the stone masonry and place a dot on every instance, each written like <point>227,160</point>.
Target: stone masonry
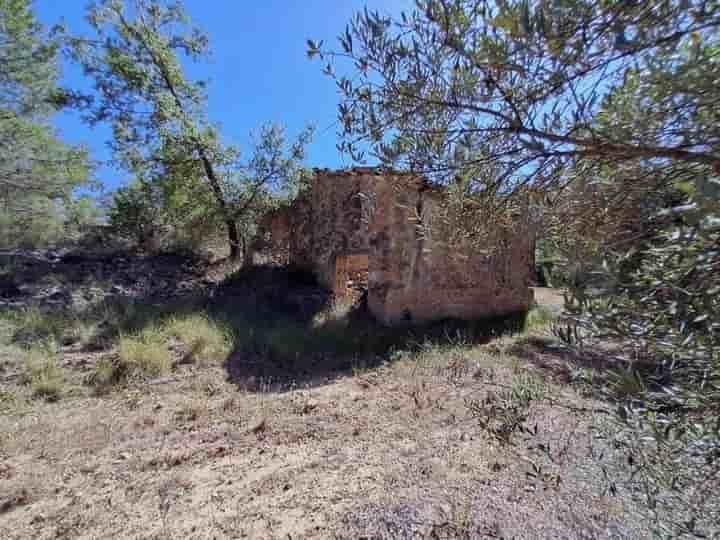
<point>360,228</point>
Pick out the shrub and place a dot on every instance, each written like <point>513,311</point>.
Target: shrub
<point>206,341</point>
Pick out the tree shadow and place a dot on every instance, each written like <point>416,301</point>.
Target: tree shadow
<point>286,334</point>
<point>599,370</point>
<point>285,327</point>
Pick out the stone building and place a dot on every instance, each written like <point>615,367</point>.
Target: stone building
<point>361,229</point>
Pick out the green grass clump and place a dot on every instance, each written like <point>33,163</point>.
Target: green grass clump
<point>107,373</point>
<point>538,318</point>
<point>145,354</point>
<point>45,377</point>
<point>206,341</point>
<point>31,325</point>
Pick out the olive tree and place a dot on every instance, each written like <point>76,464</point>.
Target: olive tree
<point>158,114</point>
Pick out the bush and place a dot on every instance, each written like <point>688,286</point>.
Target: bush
<point>205,340</point>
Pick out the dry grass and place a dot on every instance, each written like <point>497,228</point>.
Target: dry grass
<point>413,438</point>
<point>394,451</point>
<point>145,354</point>
<point>45,377</point>
<point>205,341</point>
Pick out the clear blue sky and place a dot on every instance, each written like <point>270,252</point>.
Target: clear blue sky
<point>258,72</point>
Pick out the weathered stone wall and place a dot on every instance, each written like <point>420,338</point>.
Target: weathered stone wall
<point>271,244</point>
<point>416,276</point>
<point>327,222</point>
<point>355,225</point>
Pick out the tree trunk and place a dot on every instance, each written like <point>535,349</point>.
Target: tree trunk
<point>233,239</point>
<point>230,222</point>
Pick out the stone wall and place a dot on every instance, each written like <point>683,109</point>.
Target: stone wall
<point>416,276</point>
<point>327,222</point>
<point>362,224</point>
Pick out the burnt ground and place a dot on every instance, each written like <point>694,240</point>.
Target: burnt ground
<point>312,427</point>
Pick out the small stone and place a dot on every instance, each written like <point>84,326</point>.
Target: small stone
<point>310,406</point>
<point>258,426</point>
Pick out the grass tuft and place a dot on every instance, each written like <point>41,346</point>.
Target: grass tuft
<point>45,377</point>
<point>538,318</point>
<point>31,325</point>
<point>206,341</point>
<point>145,354</point>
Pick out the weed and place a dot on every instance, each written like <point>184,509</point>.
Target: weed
<point>539,474</point>
<point>458,522</point>
<point>526,389</point>
<point>335,315</point>
<point>206,341</point>
<point>106,374</point>
<point>498,416</point>
<point>119,316</point>
<point>133,398</point>
<point>8,399</point>
<point>189,412</point>
<point>485,373</point>
<point>517,365</point>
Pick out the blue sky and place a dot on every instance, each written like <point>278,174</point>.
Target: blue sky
<point>258,71</point>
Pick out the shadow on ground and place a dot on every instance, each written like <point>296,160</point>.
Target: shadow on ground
<point>286,330</point>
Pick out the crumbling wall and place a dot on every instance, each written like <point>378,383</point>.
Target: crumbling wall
<point>327,223</point>
<point>271,244</point>
<point>416,275</point>
<point>365,228</point>
<point>351,275</point>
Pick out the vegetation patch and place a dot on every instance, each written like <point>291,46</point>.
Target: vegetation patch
<point>43,373</point>
<point>145,354</point>
<point>539,317</point>
<point>205,340</point>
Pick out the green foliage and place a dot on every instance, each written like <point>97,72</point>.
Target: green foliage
<point>83,213</point>
<point>32,325</point>
<point>538,318</point>
<point>161,130</point>
<point>135,213</point>
<point>519,86</point>
<point>603,116</point>
<point>37,171</point>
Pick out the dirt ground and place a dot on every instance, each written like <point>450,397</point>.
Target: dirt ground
<point>448,440</point>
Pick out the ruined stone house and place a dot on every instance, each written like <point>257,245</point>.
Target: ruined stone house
<point>359,229</point>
